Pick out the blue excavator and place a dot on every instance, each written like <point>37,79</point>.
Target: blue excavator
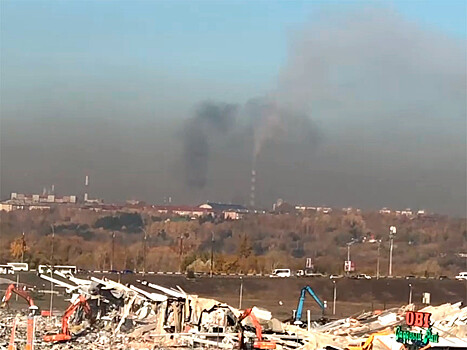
<point>304,291</point>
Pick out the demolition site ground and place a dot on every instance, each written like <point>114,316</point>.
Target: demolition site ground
<point>278,295</point>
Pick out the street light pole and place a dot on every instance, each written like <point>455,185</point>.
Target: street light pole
<point>410,293</point>
<point>181,253</point>
<point>52,271</point>
<point>113,251</point>
<point>334,298</point>
<point>212,254</point>
<point>144,250</point>
<point>392,232</point>
<point>241,294</point>
<point>377,261</point>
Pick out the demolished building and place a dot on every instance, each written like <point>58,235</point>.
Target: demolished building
<point>145,315</point>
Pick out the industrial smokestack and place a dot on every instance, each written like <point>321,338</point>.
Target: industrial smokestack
<point>253,184</point>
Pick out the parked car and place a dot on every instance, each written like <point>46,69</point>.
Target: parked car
<point>125,272</point>
<point>310,273</point>
<point>334,277</point>
<point>362,276</point>
<point>280,273</point>
<point>461,276</point>
<point>443,277</point>
<point>409,277</point>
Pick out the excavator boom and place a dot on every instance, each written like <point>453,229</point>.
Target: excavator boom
<point>65,334</point>
<point>259,343</point>
<point>301,300</point>
<point>12,288</point>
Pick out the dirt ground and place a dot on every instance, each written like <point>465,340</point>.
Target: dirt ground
<point>280,295</point>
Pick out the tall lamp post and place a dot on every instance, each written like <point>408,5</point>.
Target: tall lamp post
<point>377,259</point>
<point>212,254</point>
<point>113,251</point>
<point>334,298</point>
<point>410,293</point>
<point>241,294</point>
<point>145,239</point>
<point>52,271</point>
<point>392,233</point>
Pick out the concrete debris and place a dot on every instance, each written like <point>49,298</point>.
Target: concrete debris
<point>149,316</point>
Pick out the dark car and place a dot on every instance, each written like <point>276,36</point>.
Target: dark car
<point>126,272</point>
<point>443,277</point>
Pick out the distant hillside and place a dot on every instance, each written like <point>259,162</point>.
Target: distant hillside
<point>425,245</point>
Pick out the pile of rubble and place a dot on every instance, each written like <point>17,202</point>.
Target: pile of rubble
<point>105,314</point>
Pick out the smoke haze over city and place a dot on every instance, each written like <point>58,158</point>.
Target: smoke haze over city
<point>364,107</point>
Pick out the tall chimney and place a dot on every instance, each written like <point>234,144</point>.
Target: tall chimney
<point>253,188</point>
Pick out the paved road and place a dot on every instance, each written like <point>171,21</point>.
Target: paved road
<point>280,295</point>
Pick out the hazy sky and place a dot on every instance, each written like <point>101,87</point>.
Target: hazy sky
<point>354,103</point>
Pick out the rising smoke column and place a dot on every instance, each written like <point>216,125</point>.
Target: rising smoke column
<point>209,120</point>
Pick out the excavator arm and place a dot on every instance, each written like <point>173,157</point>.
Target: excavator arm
<point>259,343</point>
<point>307,289</point>
<point>12,288</point>
<point>65,334</point>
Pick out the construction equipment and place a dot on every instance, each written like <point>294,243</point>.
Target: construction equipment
<point>23,293</point>
<point>298,314</point>
<point>259,343</point>
<point>368,344</point>
<point>65,335</point>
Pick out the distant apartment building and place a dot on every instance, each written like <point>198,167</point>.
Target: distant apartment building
<point>21,201</point>
<point>227,211</point>
<point>407,212</point>
<point>385,211</point>
<point>350,210</point>
<point>38,198</point>
<point>304,208</point>
<point>181,210</point>
<point>324,210</point>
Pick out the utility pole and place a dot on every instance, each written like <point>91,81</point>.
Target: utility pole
<point>145,238</point>
<point>334,298</point>
<point>52,271</point>
<point>241,294</point>
<point>377,261</point>
<point>113,251</point>
<point>392,233</point>
<point>23,247</point>
<point>181,252</point>
<point>212,253</point>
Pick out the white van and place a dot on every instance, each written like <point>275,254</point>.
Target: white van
<point>18,266</point>
<point>281,273</point>
<point>461,276</point>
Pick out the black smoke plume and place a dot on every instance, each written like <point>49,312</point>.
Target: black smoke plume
<point>209,120</point>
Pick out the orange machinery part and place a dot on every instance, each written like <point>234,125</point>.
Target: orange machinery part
<point>21,292</point>
<point>65,334</point>
<point>260,343</point>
